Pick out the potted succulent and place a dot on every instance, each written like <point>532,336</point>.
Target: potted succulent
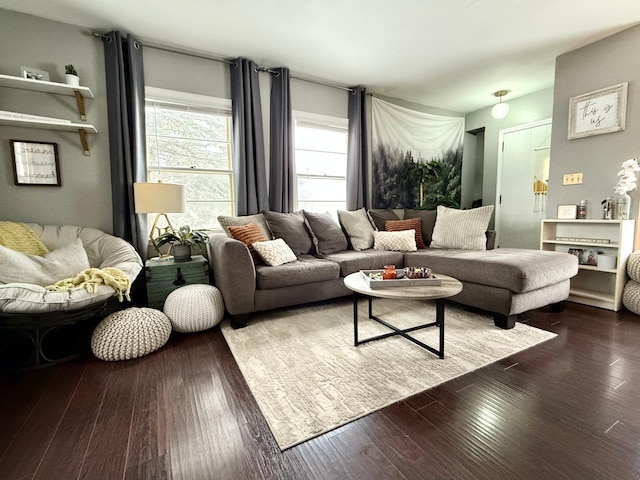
<point>71,76</point>
<point>181,241</point>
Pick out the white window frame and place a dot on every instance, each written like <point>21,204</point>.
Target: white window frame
<point>186,99</point>
<point>319,120</point>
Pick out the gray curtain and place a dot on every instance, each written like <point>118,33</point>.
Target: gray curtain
<point>127,145</point>
<point>357,196</point>
<point>281,143</point>
<point>248,140</point>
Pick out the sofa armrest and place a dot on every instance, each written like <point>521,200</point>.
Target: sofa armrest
<point>491,239</point>
<point>233,273</point>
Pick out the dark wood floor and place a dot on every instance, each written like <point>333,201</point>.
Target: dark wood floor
<point>566,409</point>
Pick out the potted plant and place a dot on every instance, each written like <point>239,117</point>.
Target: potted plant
<point>181,241</point>
<point>71,76</point>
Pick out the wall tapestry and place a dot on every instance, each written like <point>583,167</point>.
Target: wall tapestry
<point>417,158</point>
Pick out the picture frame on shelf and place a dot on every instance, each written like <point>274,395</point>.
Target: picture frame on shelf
<point>598,112</point>
<point>35,163</point>
<point>567,212</point>
<point>34,74</point>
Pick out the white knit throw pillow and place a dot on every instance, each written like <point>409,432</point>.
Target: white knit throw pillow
<point>274,252</point>
<point>463,229</point>
<point>403,241</point>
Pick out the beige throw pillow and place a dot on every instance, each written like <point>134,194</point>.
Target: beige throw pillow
<point>463,229</point>
<point>402,241</point>
<point>275,252</point>
<point>358,227</point>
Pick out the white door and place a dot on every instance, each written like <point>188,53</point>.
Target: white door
<point>523,176</point>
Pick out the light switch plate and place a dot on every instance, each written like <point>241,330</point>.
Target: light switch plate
<point>572,178</point>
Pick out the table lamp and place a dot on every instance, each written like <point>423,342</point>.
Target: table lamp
<point>159,198</point>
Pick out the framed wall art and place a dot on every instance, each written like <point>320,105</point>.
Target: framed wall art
<point>34,74</point>
<point>567,212</point>
<point>598,112</point>
<point>35,163</point>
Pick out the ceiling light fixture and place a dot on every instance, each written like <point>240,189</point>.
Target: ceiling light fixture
<point>500,110</point>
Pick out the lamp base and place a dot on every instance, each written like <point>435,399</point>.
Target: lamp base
<point>156,231</point>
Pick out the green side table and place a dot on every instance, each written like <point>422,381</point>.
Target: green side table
<point>163,276</point>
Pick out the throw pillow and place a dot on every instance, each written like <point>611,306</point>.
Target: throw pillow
<point>21,238</point>
<point>358,227</point>
<point>249,234</point>
<point>275,252</point>
<point>411,224</point>
<point>327,235</point>
<point>380,215</point>
<point>428,220</point>
<point>292,229</point>
<point>65,262</point>
<point>226,222</point>
<point>403,241</point>
<point>463,229</point>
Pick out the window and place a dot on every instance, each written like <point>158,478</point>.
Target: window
<point>189,143</point>
<point>321,163</point>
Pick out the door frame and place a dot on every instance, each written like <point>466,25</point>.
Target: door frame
<point>501,134</point>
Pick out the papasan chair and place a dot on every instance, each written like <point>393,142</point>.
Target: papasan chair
<point>41,324</point>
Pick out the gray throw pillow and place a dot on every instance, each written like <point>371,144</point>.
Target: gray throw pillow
<point>427,220</point>
<point>463,229</point>
<point>381,215</point>
<point>291,228</point>
<point>358,227</point>
<point>226,222</point>
<point>328,237</point>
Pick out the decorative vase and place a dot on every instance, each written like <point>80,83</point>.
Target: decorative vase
<point>181,253</point>
<point>623,206</point>
<point>72,80</point>
<point>389,272</point>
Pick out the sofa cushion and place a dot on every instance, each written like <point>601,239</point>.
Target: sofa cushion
<point>515,269</point>
<point>427,221</point>
<point>381,215</point>
<point>463,229</point>
<point>249,234</point>
<point>327,235</point>
<point>291,228</point>
<point>274,252</point>
<point>61,263</point>
<point>305,270</point>
<point>403,241</point>
<point>353,261</point>
<point>226,222</point>
<point>358,227</point>
<point>410,224</point>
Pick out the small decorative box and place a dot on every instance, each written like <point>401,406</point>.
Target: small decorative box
<point>375,281</point>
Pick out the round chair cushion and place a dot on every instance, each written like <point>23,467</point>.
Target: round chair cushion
<point>633,266</point>
<point>631,296</point>
<point>194,308</point>
<point>130,333</point>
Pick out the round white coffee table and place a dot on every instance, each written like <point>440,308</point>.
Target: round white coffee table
<point>357,283</point>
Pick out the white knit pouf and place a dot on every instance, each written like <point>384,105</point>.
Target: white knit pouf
<point>633,266</point>
<point>194,308</point>
<point>631,296</point>
<point>130,333</point>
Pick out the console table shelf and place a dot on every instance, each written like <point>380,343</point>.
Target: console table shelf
<point>594,285</point>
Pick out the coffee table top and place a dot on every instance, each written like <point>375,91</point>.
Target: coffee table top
<point>449,287</point>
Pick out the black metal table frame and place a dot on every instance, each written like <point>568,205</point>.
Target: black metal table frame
<point>397,331</point>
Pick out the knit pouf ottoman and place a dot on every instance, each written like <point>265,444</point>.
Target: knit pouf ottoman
<point>194,308</point>
<point>130,333</point>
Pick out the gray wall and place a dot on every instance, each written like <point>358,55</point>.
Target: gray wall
<point>601,64</point>
<point>85,195</point>
<point>522,110</point>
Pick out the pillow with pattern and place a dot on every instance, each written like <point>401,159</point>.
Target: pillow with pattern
<point>275,252</point>
<point>410,224</point>
<point>463,229</point>
<point>249,234</point>
<point>403,241</point>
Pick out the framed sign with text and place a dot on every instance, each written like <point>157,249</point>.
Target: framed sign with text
<point>601,111</point>
<point>35,163</point>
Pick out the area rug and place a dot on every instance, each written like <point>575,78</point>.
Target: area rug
<point>308,378</point>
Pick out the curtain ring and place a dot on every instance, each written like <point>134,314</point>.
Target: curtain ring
<point>136,45</point>
<point>275,73</point>
<point>256,69</point>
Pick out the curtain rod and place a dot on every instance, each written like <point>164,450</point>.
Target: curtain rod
<point>203,56</point>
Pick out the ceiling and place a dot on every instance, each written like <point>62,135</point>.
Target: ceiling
<point>451,54</point>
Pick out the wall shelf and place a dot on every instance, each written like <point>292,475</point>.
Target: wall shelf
<point>593,285</point>
<point>80,93</point>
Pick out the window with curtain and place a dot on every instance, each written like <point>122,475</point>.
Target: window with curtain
<point>320,162</point>
<point>189,142</point>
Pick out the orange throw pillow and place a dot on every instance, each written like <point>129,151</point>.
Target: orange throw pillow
<point>249,234</point>
<point>410,224</point>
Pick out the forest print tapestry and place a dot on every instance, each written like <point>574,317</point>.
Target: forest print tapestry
<point>417,158</point>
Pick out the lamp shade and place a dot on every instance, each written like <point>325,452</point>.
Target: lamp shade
<point>159,198</point>
<point>500,110</point>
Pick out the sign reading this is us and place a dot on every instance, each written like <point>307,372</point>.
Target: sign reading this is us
<point>602,111</point>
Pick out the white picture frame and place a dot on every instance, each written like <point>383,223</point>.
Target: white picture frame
<point>598,112</point>
<point>567,212</point>
<point>34,74</point>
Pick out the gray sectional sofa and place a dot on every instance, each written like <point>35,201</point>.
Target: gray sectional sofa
<point>503,281</point>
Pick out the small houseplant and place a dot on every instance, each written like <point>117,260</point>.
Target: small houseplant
<point>181,241</point>
<point>71,76</point>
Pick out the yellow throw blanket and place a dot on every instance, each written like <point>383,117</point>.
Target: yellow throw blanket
<point>92,277</point>
<point>21,238</point>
